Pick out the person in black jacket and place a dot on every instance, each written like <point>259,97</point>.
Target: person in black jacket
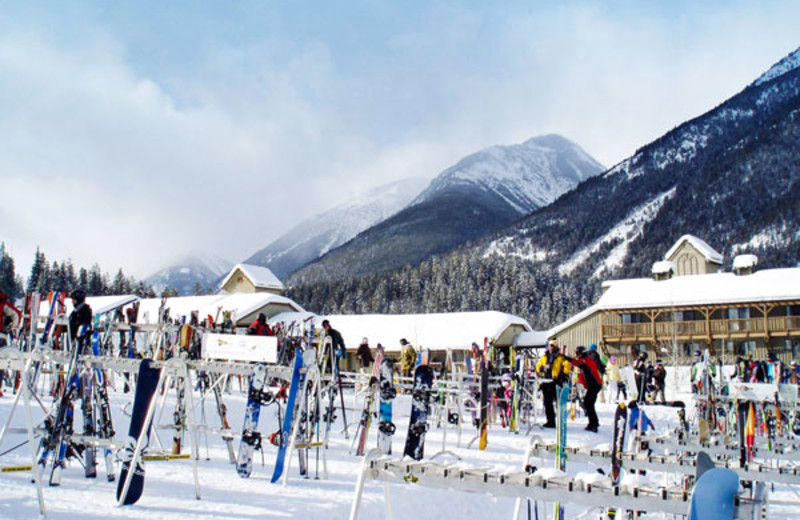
<point>80,320</point>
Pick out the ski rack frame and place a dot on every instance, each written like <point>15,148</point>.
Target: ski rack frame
<point>671,463</point>
<point>12,358</point>
<point>522,485</point>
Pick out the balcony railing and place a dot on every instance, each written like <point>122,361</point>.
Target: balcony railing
<point>696,329</point>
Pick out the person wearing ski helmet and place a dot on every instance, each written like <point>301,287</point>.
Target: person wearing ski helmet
<point>80,319</point>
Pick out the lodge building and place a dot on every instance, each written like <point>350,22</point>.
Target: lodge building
<point>691,304</point>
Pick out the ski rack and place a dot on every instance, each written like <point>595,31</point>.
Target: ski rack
<point>782,452</point>
<point>540,486</point>
<point>686,465</point>
<point>12,359</point>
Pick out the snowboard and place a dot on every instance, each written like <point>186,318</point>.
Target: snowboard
<point>420,407</point>
<point>483,424</point>
<point>145,392</point>
<point>703,464</point>
<point>617,446</point>
<point>714,495</point>
<point>369,401</point>
<point>298,379</point>
<point>251,437</point>
<point>387,393</point>
<point>561,441</point>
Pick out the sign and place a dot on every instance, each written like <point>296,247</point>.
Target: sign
<point>239,347</point>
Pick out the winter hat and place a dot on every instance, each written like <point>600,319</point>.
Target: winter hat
<point>403,341</point>
<point>592,347</point>
<point>580,350</point>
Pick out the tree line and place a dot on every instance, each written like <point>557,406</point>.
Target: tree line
<point>46,276</point>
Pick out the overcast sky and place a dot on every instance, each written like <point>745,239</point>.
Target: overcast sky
<point>134,132</point>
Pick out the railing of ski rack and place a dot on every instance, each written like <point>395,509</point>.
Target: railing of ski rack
<point>522,485</point>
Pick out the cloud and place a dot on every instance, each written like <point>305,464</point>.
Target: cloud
<point>129,139</point>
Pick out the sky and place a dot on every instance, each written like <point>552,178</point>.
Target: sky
<point>134,132</point>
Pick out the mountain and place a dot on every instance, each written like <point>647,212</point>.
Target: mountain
<point>184,274</point>
<point>480,194</point>
<point>318,235</point>
<point>730,176</point>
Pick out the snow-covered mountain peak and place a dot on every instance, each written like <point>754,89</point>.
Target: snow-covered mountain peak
<point>789,63</point>
<point>527,175</point>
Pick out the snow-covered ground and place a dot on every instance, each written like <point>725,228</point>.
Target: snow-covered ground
<point>169,487</point>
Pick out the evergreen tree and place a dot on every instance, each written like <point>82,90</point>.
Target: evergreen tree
<point>10,283</point>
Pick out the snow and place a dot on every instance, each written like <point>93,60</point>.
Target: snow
<point>625,231</point>
<point>242,305</point>
<point>769,285</point>
<point>787,64</point>
<point>527,175</point>
<point>169,489</point>
<point>708,252</point>
<point>434,331</point>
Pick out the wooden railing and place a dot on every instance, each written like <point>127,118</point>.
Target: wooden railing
<point>695,329</point>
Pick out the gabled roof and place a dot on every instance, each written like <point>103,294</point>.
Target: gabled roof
<point>260,277</point>
<point>706,250</point>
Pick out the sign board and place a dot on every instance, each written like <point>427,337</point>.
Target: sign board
<point>239,347</point>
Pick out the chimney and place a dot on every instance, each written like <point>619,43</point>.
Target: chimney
<point>745,264</point>
<point>663,270</point>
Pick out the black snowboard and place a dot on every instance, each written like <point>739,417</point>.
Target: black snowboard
<point>145,391</point>
<point>420,406</point>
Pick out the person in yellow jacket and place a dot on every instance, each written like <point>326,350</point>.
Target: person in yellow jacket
<point>554,371</point>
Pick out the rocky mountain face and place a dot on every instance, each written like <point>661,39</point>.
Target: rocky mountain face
<point>192,274</point>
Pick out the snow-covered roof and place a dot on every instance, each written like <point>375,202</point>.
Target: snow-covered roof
<point>99,304</point>
<point>440,331</point>
<point>663,267</point>
<point>706,250</point>
<point>745,261</point>
<point>769,285</point>
<point>242,305</point>
<point>261,277</point>
<point>534,338</point>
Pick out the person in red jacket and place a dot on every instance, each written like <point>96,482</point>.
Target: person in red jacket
<point>260,327</point>
<point>589,376</point>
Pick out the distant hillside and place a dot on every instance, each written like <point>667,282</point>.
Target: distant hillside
<point>316,236</point>
<point>189,273</point>
<point>480,194</point>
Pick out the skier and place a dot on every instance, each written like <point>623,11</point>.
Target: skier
<point>337,342</point>
<point>9,320</point>
<point>640,375</point>
<point>554,370</point>
<point>774,369</point>
<point>659,381</point>
<point>613,375</point>
<point>589,376</point>
<point>364,356</point>
<point>260,327</point>
<point>699,370</point>
<point>364,359</point>
<point>408,358</point>
<point>80,318</point>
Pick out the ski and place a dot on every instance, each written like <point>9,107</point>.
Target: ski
<point>286,430</point>
<point>561,441</point>
<point>104,426</point>
<point>369,401</point>
<point>146,384</point>
<point>420,408</point>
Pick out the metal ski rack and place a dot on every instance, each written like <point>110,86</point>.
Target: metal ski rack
<point>12,359</point>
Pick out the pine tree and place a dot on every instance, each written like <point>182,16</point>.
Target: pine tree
<point>9,281</point>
